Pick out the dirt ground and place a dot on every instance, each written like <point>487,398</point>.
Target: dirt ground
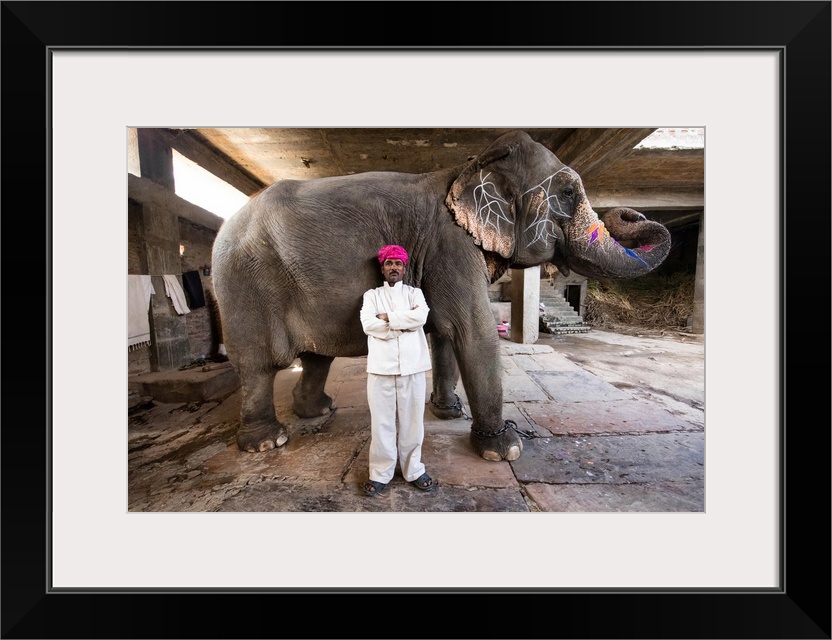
<point>665,366</point>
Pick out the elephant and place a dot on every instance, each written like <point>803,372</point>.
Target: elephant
<point>291,266</point>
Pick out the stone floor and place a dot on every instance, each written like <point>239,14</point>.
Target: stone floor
<point>618,424</point>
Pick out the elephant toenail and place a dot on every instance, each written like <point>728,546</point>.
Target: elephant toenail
<point>265,446</point>
<point>513,453</point>
<point>491,455</point>
<point>281,440</point>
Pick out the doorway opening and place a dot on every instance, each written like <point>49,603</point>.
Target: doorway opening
<point>572,293</point>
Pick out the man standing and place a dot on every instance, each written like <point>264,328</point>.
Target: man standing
<point>393,316</point>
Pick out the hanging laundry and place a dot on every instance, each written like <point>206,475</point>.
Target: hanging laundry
<point>174,291</point>
<point>139,290</point>
<point>193,289</point>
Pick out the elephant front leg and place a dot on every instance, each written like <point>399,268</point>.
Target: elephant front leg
<point>502,444</point>
<point>492,437</point>
<point>259,430</point>
<point>444,402</point>
<point>310,401</point>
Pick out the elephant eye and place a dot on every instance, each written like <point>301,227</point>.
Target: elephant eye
<point>568,193</point>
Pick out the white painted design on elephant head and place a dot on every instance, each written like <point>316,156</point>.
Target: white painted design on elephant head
<point>502,199</point>
<point>489,205</point>
<point>545,202</point>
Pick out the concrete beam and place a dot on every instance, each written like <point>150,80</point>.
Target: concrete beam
<point>146,191</point>
<point>589,150</point>
<point>195,147</point>
<point>646,199</point>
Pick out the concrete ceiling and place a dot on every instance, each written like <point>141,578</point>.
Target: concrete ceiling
<point>666,184</point>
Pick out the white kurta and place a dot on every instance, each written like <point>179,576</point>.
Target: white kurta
<point>397,359</point>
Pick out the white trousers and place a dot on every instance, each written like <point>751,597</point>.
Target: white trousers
<point>393,397</point>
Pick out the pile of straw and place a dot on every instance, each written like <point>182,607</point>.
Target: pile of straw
<point>653,301</point>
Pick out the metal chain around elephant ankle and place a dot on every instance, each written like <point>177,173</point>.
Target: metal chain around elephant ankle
<point>508,423</point>
<point>456,405</point>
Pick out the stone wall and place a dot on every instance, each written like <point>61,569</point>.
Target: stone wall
<point>201,326</point>
<point>198,242</point>
<point>138,360</point>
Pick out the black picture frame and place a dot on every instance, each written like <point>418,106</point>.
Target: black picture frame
<point>800,608</point>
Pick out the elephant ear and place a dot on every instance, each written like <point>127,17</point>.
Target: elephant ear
<point>482,201</point>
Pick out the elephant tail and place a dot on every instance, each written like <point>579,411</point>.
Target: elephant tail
<point>217,342</point>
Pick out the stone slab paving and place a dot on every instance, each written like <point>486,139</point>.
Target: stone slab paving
<point>598,449</point>
<point>551,361</point>
<point>161,421</point>
<point>620,416</point>
<point>512,411</point>
<point>457,425</point>
<point>227,410</point>
<point>173,432</point>
<point>451,460</point>
<point>284,382</point>
<point>653,497</point>
<point>315,457</point>
<point>575,386</point>
<point>324,497</point>
<point>348,368</point>
<point>343,421</point>
<point>539,362</point>
<point>509,348</point>
<point>519,386</point>
<point>677,457</point>
<point>350,393</point>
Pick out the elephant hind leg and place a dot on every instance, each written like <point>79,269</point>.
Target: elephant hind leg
<point>444,402</point>
<point>260,429</point>
<point>310,401</point>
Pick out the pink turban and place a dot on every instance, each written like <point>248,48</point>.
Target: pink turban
<point>392,252</point>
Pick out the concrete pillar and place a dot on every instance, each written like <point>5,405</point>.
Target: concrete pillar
<point>158,232</point>
<point>525,305</point>
<point>155,158</point>
<point>697,324</point>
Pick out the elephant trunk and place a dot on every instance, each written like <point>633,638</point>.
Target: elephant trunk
<point>623,243</point>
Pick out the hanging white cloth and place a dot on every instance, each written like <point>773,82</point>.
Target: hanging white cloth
<point>174,291</point>
<point>139,290</point>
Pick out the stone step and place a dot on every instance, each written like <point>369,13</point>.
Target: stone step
<point>196,384</point>
<point>555,301</point>
<point>564,323</point>
<point>555,324</point>
<point>565,315</point>
<point>559,317</point>
<point>563,330</point>
<point>558,311</point>
<point>552,327</point>
<point>557,308</point>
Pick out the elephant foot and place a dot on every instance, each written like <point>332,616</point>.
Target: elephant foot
<point>306,408</point>
<point>504,444</point>
<point>263,438</point>
<point>446,411</point>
